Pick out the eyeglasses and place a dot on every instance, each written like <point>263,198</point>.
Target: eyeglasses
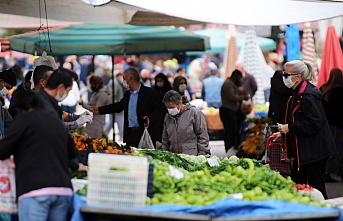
<point>286,75</point>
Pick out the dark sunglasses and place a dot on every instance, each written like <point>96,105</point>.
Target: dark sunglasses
<point>286,75</point>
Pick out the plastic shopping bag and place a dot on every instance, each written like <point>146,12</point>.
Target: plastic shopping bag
<point>7,186</point>
<point>146,142</point>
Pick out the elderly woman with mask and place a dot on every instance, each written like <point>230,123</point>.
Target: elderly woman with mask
<point>185,129</point>
<point>306,130</point>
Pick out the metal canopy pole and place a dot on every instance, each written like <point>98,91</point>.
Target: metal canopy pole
<point>113,114</point>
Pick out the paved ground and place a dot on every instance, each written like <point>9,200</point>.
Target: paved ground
<point>334,190</point>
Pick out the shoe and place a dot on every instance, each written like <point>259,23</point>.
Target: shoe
<point>330,179</point>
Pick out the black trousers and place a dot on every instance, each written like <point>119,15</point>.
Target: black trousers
<point>312,174</point>
<point>133,137</point>
<point>231,127</point>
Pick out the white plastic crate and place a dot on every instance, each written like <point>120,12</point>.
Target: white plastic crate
<point>117,180</point>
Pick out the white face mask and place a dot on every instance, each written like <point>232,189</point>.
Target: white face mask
<point>288,81</point>
<point>58,98</point>
<point>182,87</point>
<point>3,92</point>
<point>173,111</point>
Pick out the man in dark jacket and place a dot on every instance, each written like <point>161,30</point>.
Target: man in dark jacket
<point>249,84</point>
<point>142,107</point>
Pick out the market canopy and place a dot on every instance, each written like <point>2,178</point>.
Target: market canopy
<point>177,12</point>
<point>244,12</point>
<point>108,39</point>
<point>33,14</point>
<point>219,40</point>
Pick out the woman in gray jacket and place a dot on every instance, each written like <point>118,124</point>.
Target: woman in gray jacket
<point>100,97</point>
<point>185,129</point>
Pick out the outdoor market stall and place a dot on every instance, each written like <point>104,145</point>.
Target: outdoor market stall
<point>223,192</point>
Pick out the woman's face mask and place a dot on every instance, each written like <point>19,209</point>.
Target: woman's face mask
<point>288,82</point>
<point>182,88</point>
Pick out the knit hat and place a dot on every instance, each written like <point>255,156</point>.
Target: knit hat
<point>45,60</point>
<point>9,77</point>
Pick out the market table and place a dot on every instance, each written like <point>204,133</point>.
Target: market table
<point>222,210</point>
<point>92,213</point>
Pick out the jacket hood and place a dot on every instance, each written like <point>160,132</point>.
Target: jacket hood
<point>187,107</point>
<point>105,89</point>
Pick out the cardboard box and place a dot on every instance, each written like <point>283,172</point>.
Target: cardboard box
<point>214,122</point>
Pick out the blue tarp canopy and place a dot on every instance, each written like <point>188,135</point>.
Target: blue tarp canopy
<point>219,40</point>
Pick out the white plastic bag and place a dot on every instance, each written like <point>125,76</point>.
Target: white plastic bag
<point>146,142</point>
<point>7,187</point>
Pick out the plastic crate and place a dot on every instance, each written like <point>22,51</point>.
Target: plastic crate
<point>117,180</point>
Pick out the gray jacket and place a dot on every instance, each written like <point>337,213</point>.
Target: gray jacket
<point>98,99</point>
<point>186,133</point>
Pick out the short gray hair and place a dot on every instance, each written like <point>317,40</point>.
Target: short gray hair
<point>301,67</point>
<point>172,96</point>
<point>133,72</point>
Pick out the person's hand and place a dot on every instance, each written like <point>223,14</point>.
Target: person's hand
<point>84,118</point>
<point>146,121</point>
<point>82,167</point>
<point>246,96</point>
<point>278,136</point>
<point>283,128</point>
<point>87,112</point>
<point>94,110</point>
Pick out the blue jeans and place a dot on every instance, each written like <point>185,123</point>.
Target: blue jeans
<point>42,208</point>
<point>214,104</point>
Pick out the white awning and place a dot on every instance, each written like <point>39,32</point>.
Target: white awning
<point>244,12</point>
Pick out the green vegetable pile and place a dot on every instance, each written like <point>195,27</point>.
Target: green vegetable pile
<point>186,162</point>
<point>82,191</point>
<point>202,184</point>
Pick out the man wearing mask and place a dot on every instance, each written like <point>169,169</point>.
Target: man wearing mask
<point>7,81</point>
<point>56,90</point>
<point>142,108</point>
<point>39,76</point>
